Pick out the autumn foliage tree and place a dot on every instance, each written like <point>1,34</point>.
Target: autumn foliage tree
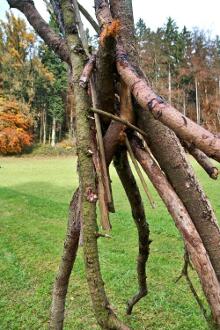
<point>16,127</point>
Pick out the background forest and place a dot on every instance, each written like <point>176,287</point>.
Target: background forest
<point>36,95</point>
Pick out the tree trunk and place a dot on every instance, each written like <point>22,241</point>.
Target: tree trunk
<point>53,133</point>
<point>197,102</point>
<point>184,103</point>
<point>131,189</point>
<point>66,264</point>
<point>169,86</point>
<point>44,127</point>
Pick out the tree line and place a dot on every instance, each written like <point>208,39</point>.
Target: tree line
<point>36,101</point>
<point>184,67</point>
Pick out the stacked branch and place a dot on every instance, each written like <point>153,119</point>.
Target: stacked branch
<point>116,77</point>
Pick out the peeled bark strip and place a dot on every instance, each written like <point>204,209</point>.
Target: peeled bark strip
<point>203,160</point>
<point>198,254</point>
<point>66,264</point>
<point>87,71</point>
<point>104,314</point>
<point>102,196</point>
<point>171,157</point>
<point>53,40</point>
<point>185,128</point>
<point>131,189</point>
<point>104,167</point>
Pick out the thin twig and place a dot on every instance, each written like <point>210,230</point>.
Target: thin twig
<point>139,173</point>
<point>120,120</point>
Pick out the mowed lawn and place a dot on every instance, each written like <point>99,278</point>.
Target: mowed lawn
<point>34,198</point>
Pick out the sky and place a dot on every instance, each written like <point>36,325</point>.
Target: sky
<point>191,13</point>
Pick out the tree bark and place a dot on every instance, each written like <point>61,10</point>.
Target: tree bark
<point>195,247</point>
<point>66,264</point>
<point>131,189</point>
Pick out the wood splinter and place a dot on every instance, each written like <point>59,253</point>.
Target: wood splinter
<point>139,173</point>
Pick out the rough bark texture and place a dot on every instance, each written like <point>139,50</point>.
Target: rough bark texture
<point>53,40</point>
<point>131,189</point>
<point>105,316</point>
<point>194,244</point>
<point>169,153</point>
<point>66,264</point>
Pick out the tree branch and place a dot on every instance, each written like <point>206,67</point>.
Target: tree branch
<point>54,41</point>
<point>66,263</point>
<point>89,18</point>
<point>202,159</point>
<point>185,128</point>
<point>131,189</point>
<point>120,120</point>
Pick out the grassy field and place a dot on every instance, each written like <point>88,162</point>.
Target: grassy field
<point>34,197</point>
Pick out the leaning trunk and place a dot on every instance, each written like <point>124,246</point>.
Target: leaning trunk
<point>165,146</point>
<point>66,264</point>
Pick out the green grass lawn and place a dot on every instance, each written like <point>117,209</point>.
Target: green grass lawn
<point>34,197</point>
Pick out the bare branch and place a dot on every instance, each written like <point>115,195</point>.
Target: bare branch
<point>54,41</point>
<point>131,189</point>
<point>202,159</point>
<point>66,263</point>
<point>89,18</point>
<point>120,120</point>
<point>185,128</point>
